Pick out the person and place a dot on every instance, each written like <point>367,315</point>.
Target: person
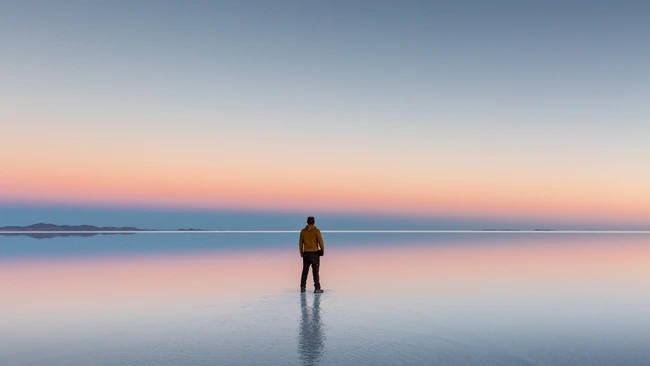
<point>309,243</point>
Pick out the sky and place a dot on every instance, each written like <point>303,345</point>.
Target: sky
<point>504,111</point>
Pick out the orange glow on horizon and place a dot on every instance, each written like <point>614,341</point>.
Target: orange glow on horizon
<point>460,194</point>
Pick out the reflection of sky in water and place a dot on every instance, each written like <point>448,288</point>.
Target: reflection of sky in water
<point>390,299</point>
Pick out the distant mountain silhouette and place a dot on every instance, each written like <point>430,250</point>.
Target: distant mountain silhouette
<point>68,230</point>
<point>52,227</point>
<point>52,230</point>
<point>57,235</point>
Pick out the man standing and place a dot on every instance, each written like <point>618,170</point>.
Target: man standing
<point>309,242</point>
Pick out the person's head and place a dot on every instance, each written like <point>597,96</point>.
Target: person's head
<point>310,220</point>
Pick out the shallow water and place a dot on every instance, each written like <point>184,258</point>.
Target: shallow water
<point>231,299</point>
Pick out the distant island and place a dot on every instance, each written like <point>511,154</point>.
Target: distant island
<point>52,227</point>
<point>52,230</point>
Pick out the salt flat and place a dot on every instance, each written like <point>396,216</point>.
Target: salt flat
<point>469,299</point>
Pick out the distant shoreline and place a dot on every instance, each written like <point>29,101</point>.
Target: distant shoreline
<point>53,228</point>
<point>42,230</point>
<point>15,232</point>
<point>48,231</point>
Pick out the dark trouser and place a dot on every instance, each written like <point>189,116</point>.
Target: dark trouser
<point>310,259</point>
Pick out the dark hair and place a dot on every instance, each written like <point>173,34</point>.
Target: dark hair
<point>310,220</point>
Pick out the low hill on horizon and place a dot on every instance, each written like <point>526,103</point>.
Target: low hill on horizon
<point>46,231</point>
<point>53,227</point>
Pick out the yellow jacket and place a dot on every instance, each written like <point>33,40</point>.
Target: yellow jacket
<point>310,240</point>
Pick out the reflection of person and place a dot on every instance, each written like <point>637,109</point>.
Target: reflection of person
<point>311,341</point>
<point>308,244</point>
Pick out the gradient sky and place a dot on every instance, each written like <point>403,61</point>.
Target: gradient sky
<point>505,109</point>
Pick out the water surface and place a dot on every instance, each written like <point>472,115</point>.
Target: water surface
<point>230,299</point>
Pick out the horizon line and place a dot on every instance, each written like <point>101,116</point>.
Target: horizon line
<point>484,231</point>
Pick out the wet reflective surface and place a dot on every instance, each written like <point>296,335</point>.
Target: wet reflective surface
<point>487,299</point>
<point>311,335</point>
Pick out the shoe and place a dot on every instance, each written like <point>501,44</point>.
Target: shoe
<point>318,291</point>
<point>302,289</point>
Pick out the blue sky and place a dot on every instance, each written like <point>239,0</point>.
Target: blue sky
<point>503,109</point>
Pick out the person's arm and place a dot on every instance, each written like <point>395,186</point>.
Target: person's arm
<point>320,241</point>
<point>300,242</point>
